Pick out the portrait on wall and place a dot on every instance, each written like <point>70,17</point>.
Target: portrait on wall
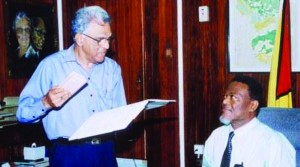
<point>31,35</point>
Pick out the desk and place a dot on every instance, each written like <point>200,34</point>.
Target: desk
<point>14,136</point>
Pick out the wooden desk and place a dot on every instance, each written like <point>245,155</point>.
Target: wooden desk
<point>14,136</point>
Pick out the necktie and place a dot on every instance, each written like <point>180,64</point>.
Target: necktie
<point>227,153</point>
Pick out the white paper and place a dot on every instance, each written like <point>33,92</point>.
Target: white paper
<point>34,153</point>
<point>127,162</point>
<point>115,119</point>
<point>8,111</point>
<point>10,101</point>
<point>155,103</point>
<point>73,82</point>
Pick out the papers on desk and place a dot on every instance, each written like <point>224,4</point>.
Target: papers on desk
<point>10,102</point>
<point>6,114</point>
<point>115,119</point>
<point>8,111</point>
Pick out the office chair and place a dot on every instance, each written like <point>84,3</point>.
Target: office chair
<point>286,121</point>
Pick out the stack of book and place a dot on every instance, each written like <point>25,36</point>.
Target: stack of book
<point>8,108</point>
<point>33,163</point>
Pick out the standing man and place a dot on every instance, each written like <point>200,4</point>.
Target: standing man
<point>62,113</point>
<point>244,141</point>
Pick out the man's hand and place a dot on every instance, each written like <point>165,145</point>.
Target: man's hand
<point>56,97</point>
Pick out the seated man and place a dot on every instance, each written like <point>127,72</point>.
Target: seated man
<point>243,140</point>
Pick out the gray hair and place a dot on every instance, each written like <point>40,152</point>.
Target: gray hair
<point>20,16</point>
<point>86,15</point>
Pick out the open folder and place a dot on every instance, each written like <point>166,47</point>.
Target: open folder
<point>115,119</point>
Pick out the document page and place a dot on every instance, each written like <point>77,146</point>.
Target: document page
<point>115,119</point>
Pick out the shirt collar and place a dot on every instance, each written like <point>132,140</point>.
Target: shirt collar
<point>70,55</point>
<point>245,128</point>
<point>30,52</point>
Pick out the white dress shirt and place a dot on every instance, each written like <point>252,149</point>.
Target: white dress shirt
<point>253,145</point>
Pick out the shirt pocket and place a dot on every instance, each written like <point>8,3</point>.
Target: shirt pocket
<point>104,97</point>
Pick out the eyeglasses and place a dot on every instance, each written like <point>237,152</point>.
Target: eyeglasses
<point>39,31</point>
<point>21,30</point>
<point>100,40</point>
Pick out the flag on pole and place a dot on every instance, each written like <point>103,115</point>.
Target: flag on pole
<point>280,86</point>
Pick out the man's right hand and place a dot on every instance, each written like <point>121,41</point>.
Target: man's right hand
<point>55,97</point>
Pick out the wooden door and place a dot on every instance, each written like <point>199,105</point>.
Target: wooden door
<point>127,50</point>
<point>146,49</point>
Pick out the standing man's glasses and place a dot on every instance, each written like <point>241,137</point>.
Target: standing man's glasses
<point>100,40</point>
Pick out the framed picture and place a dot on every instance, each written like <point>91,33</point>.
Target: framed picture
<point>252,29</point>
<point>31,35</point>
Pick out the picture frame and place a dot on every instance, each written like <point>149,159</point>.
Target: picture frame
<point>31,35</point>
<point>252,29</point>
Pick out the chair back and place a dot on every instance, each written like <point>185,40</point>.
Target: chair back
<point>286,121</point>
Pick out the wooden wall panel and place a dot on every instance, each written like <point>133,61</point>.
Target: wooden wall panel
<point>161,82</point>
<point>128,51</point>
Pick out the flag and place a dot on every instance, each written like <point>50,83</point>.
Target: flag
<point>280,86</point>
